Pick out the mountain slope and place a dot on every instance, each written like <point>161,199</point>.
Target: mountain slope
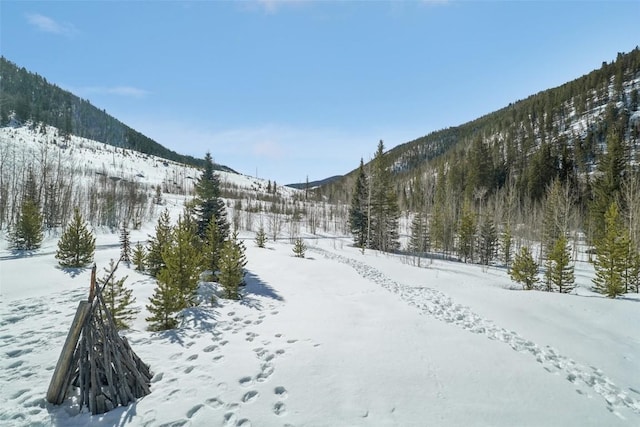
<point>572,121</point>
<point>28,97</point>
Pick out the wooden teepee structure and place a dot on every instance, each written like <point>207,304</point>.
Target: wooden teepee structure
<point>98,361</point>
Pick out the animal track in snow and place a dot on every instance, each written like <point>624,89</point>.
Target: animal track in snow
<point>279,408</point>
<point>442,307</point>
<point>281,392</point>
<point>250,396</point>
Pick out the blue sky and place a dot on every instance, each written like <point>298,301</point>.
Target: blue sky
<point>290,89</point>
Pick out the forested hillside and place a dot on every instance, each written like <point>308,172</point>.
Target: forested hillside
<point>583,135</point>
<point>28,97</point>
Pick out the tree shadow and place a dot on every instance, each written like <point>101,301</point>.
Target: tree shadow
<point>254,286</point>
<point>73,272</point>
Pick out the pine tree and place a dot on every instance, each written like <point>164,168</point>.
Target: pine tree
<point>467,233</point>
<point>157,243</point>
<point>117,297</point>
<point>384,211</point>
<point>125,244</point>
<point>139,257</point>
<point>232,263</point>
<point>27,234</point>
<point>261,237</point>
<point>559,274</point>
<point>209,206</point>
<point>610,250</point>
<point>299,248</point>
<point>77,244</point>
<point>358,212</point>
<point>164,306</point>
<point>487,241</point>
<point>211,248</point>
<point>524,269</point>
<point>182,262</point>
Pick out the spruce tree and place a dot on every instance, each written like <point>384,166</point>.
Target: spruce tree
<point>232,263</point>
<point>139,257</point>
<point>610,249</point>
<point>209,206</point>
<point>157,243</point>
<point>487,241</point>
<point>524,269</point>
<point>506,244</point>
<point>299,248</point>
<point>467,233</point>
<point>559,273</point>
<point>358,212</point>
<point>117,297</point>
<point>420,241</point>
<point>125,244</point>
<point>182,262</point>
<point>77,244</point>
<point>384,212</point>
<point>261,237</point>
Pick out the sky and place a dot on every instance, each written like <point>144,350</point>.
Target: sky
<point>290,90</point>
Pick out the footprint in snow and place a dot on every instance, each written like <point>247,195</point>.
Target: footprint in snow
<point>250,396</point>
<point>279,408</point>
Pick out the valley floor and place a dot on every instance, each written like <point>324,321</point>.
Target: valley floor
<point>339,338</point>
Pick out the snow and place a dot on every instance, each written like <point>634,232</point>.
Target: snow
<point>337,338</point>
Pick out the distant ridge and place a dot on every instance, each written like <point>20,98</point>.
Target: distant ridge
<point>28,97</point>
<point>314,184</point>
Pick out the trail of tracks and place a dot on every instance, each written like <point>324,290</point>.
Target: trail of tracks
<point>437,304</point>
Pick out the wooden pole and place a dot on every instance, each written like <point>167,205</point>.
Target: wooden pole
<point>92,288</point>
<point>54,394</point>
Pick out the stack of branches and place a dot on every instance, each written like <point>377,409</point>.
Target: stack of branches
<point>98,361</point>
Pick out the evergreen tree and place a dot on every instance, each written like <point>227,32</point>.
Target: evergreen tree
<point>506,244</point>
<point>182,262</point>
<point>157,243</point>
<point>117,297</point>
<point>384,210</point>
<point>487,241</point>
<point>358,212</point>
<point>232,263</point>
<point>77,244</point>
<point>164,306</point>
<point>610,250</point>
<point>299,248</point>
<point>211,247</point>
<point>139,257</point>
<point>607,185</point>
<point>467,233</point>
<point>261,237</point>
<point>559,273</point>
<point>420,241</point>
<point>524,269</point>
<point>27,233</point>
<point>209,206</point>
<point>125,244</point>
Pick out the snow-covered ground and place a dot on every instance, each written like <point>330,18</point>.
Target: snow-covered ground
<point>339,338</point>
